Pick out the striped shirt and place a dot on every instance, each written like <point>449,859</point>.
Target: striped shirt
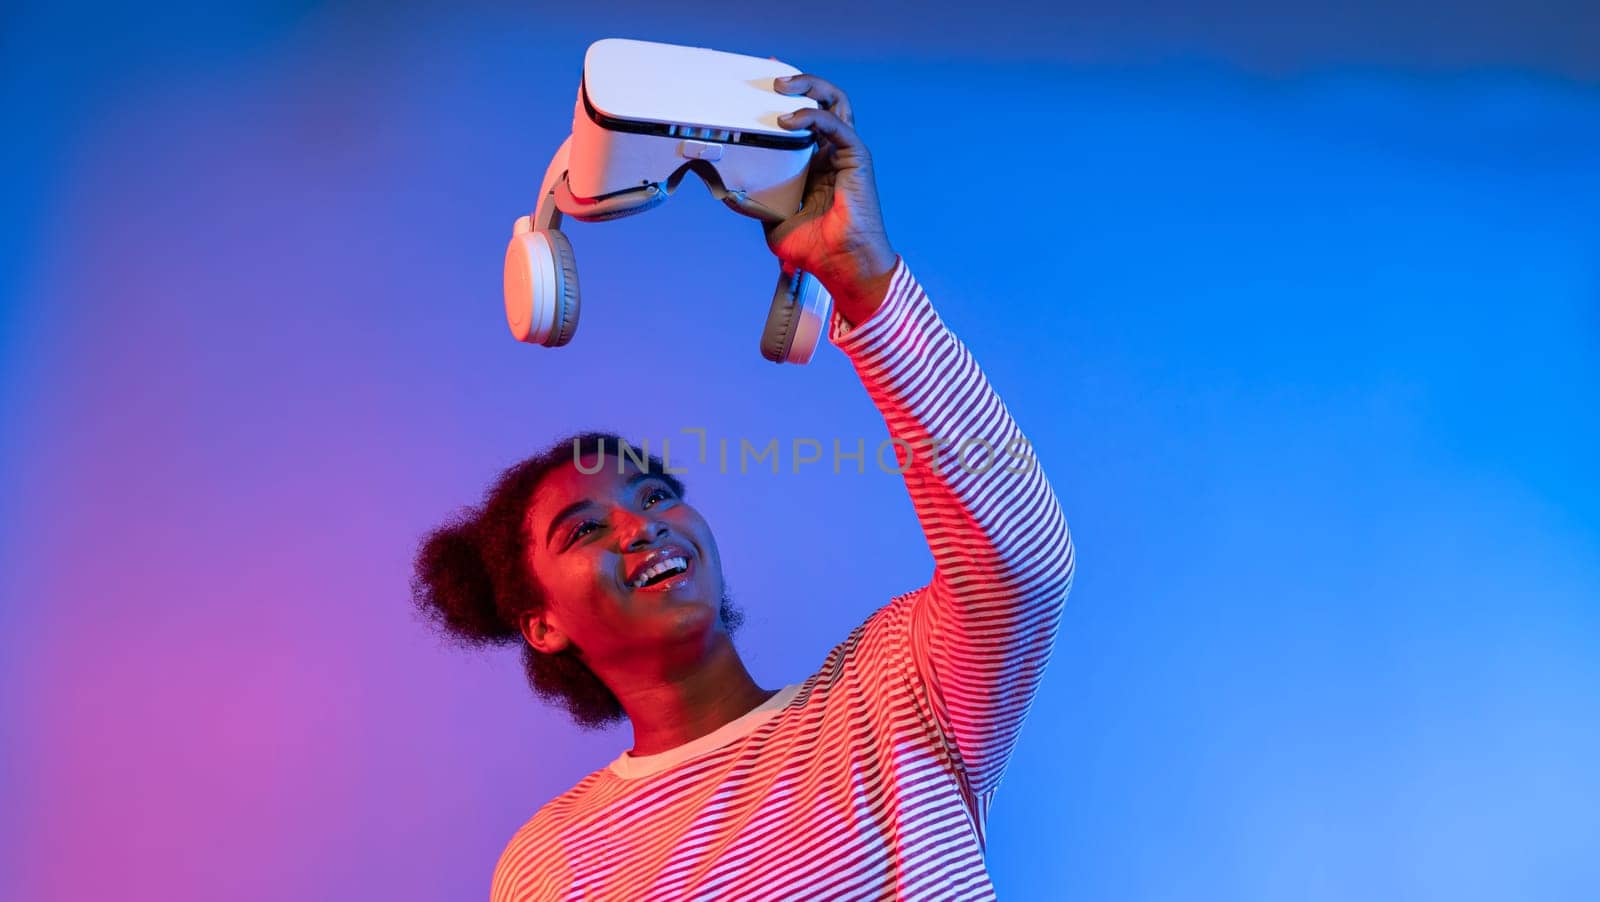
<point>872,778</point>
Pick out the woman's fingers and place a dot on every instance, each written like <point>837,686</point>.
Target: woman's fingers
<point>820,90</point>
<point>827,124</point>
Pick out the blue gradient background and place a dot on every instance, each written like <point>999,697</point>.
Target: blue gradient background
<point>1299,304</point>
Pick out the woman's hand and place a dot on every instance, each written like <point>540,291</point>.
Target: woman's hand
<point>838,234</point>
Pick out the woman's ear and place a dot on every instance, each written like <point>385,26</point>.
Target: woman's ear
<point>542,635</point>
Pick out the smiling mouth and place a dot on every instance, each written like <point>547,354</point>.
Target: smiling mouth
<point>669,578</point>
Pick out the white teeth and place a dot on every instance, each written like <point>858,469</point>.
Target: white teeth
<point>660,567</point>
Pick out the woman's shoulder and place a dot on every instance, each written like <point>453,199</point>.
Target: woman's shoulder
<point>534,855</point>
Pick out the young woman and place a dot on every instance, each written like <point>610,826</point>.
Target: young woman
<point>871,777</point>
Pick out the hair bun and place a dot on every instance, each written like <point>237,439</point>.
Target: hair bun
<point>452,585</point>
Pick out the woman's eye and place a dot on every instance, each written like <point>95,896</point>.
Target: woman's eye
<point>654,492</point>
<point>581,529</point>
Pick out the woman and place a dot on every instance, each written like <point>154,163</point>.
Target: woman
<point>872,777</point>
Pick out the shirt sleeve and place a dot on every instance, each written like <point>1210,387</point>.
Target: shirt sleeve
<point>981,632</point>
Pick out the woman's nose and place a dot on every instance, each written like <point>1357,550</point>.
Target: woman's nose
<point>642,531</point>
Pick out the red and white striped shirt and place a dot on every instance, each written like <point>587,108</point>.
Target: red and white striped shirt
<point>872,778</point>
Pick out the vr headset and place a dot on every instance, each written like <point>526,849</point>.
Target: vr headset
<point>646,115</point>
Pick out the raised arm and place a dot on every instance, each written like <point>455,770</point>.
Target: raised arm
<point>981,632</point>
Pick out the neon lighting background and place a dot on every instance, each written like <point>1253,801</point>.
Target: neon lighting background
<point>1301,307</point>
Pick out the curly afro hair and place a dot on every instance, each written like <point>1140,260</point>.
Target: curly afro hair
<point>472,581</point>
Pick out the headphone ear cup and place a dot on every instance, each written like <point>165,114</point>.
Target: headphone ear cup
<point>795,322</point>
<point>567,297</point>
<point>541,286</point>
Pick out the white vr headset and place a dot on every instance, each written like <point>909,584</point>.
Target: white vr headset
<point>646,114</point>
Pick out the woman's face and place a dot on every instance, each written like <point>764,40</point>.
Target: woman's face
<point>594,538</point>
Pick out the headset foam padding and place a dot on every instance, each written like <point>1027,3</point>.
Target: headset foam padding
<point>796,320</point>
<point>566,295</point>
<point>779,330</point>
